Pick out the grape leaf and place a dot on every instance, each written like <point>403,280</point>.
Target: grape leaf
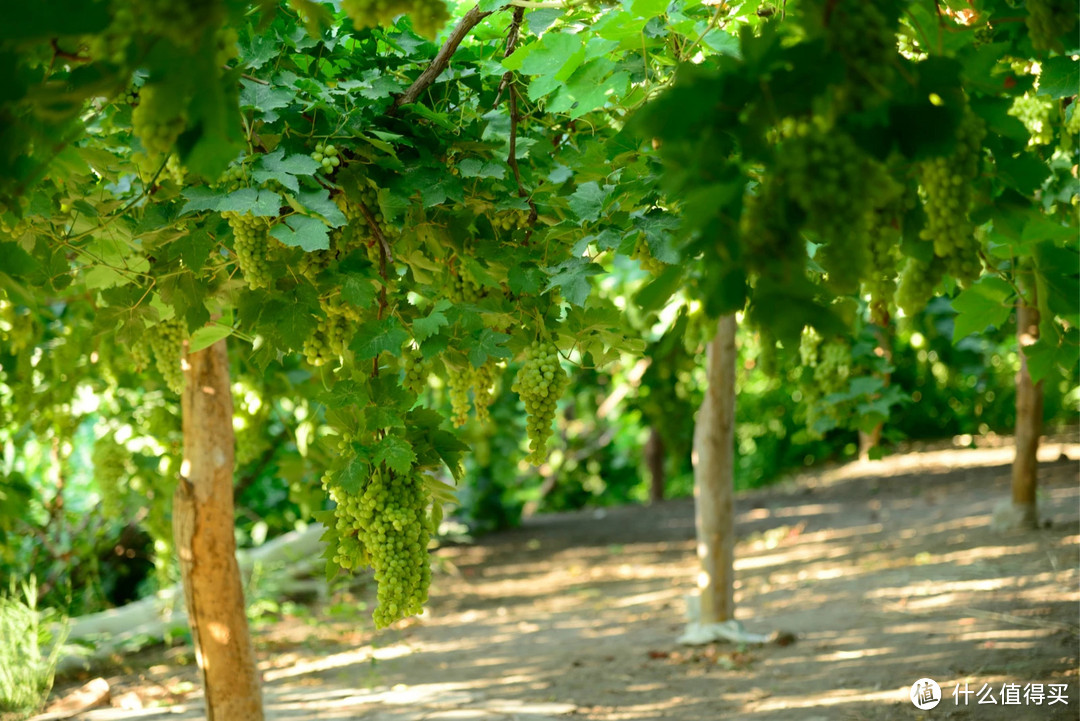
<point>490,343</point>
<point>1060,77</point>
<point>396,452</point>
<point>525,279</point>
<point>319,201</point>
<point>207,336</point>
<point>265,98</point>
<point>424,328</point>
<point>572,277</point>
<point>303,232</point>
<point>588,200</point>
<point>379,336</point>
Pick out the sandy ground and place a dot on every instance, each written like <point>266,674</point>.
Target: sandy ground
<point>884,573</point>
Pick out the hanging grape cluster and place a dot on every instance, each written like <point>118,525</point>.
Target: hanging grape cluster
<point>415,370</point>
<point>830,369</point>
<point>175,170</point>
<point>167,344</point>
<point>1035,111</point>
<point>326,156</point>
<point>328,341</point>
<point>458,382</point>
<point>234,177</point>
<point>333,331</point>
<point>1050,20</point>
<point>643,255</point>
<point>464,288</point>
<point>485,379</point>
<point>387,527</point>
<point>510,220</point>
<point>947,185</point>
<point>158,120</point>
<point>540,382</point>
<point>918,279</point>
<point>866,38</point>
<point>832,181</point>
<point>140,353</point>
<point>884,230</point>
<point>428,16</point>
<point>251,240</point>
<point>111,461</point>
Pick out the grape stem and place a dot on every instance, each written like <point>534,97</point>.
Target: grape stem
<point>512,36</point>
<point>442,59</point>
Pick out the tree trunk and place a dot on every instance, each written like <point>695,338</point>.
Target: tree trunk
<point>203,528</point>
<point>1029,413</point>
<point>654,459</point>
<point>714,479</point>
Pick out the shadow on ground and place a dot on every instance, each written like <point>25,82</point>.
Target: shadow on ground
<point>885,573</point>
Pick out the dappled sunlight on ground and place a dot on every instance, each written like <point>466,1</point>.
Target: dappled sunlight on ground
<point>884,572</point>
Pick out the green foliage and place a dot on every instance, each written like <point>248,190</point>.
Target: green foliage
<point>30,643</point>
<point>285,175</point>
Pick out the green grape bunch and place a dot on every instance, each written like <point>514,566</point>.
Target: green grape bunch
<point>643,255</point>
<point>459,381</point>
<point>1035,112</point>
<point>167,343</point>
<point>415,371</point>
<point>863,34</point>
<point>918,281</point>
<point>112,465</point>
<point>947,187</point>
<point>834,183</point>
<point>327,157</point>
<point>540,383</point>
<point>158,120</point>
<point>251,240</point>
<point>428,16</point>
<point>1049,21</point>
<point>510,220</point>
<point>328,341</point>
<point>485,381</point>
<point>387,527</point>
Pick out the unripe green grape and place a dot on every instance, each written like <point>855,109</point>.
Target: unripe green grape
<point>158,120</point>
<point>175,170</point>
<point>484,380</point>
<point>112,467</point>
<point>1049,21</point>
<point>415,371</point>
<point>918,281</point>
<point>251,241</point>
<point>946,183</point>
<point>643,255</point>
<point>428,16</point>
<point>1035,111</point>
<point>458,382</point>
<point>387,527</point>
<point>540,383</point>
<point>167,343</point>
<point>866,38</point>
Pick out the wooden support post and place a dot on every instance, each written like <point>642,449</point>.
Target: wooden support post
<point>203,526</point>
<point>714,479</point>
<point>1029,418</point>
<point>655,457</point>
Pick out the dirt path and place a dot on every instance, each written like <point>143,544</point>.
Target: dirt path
<point>885,574</point>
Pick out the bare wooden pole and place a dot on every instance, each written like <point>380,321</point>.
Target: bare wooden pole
<point>655,455</point>
<point>714,479</point>
<point>203,523</point>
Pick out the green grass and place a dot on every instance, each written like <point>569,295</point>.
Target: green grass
<point>26,670</point>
